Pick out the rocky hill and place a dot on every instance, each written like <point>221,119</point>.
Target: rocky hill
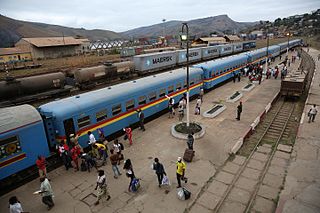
<point>198,27</point>
<point>12,30</point>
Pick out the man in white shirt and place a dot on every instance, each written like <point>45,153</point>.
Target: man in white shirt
<point>312,113</point>
<point>92,139</point>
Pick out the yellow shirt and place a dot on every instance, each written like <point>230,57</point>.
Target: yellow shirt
<point>100,146</point>
<point>181,166</point>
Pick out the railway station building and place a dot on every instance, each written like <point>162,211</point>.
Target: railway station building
<point>53,47</point>
<point>14,54</point>
<point>232,38</point>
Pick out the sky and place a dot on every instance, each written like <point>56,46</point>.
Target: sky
<point>122,15</point>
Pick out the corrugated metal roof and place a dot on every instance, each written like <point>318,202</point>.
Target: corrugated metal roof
<point>12,51</point>
<point>17,116</point>
<point>83,40</point>
<point>213,39</point>
<point>53,41</point>
<point>232,37</point>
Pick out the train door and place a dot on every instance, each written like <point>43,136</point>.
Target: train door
<point>68,128</point>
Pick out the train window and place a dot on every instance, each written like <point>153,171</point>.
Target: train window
<point>9,146</point>
<point>142,100</point>
<point>152,96</point>
<point>116,109</point>
<point>170,89</point>
<point>192,82</point>
<point>162,92</point>
<point>101,115</point>
<point>84,121</point>
<point>178,86</point>
<point>129,105</point>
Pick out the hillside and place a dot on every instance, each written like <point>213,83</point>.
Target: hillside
<point>12,30</point>
<point>198,27</point>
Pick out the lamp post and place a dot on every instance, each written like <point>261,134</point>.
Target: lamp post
<point>288,34</point>
<point>267,54</point>
<point>185,37</point>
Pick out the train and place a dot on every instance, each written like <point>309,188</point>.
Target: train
<point>26,132</point>
<point>158,59</point>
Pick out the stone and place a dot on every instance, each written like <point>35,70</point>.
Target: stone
<point>217,187</point>
<point>283,155</point>
<point>284,148</point>
<point>224,177</point>
<point>239,160</point>
<point>231,206</point>
<point>277,170</point>
<point>208,200</point>
<point>279,162</point>
<point>239,195</point>
<point>255,164</point>
<point>273,181</point>
<point>74,192</point>
<point>263,205</point>
<point>246,183</point>
<point>260,156</point>
<point>199,208</point>
<point>231,168</point>
<point>251,173</point>
<point>268,192</point>
<point>263,149</point>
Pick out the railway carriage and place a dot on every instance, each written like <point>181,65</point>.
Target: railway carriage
<point>219,70</point>
<point>274,51</point>
<point>22,139</point>
<point>237,47</point>
<point>194,56</point>
<point>209,52</point>
<point>113,108</point>
<point>225,49</point>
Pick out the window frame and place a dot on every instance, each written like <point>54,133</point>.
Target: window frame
<point>162,92</point>
<point>116,109</point>
<point>130,104</point>
<point>86,122</point>
<point>143,101</point>
<point>103,116</point>
<point>152,96</point>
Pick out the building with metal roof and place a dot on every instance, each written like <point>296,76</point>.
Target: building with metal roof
<point>14,54</point>
<point>232,38</point>
<point>208,40</point>
<point>52,47</point>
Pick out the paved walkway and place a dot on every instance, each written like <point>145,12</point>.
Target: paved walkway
<point>302,187</point>
<point>74,191</point>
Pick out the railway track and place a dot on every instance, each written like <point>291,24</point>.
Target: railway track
<point>276,129</point>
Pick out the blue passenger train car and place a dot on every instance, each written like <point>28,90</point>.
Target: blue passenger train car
<point>219,70</point>
<point>22,139</point>
<point>113,108</point>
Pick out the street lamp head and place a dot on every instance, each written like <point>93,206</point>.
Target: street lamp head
<point>184,37</point>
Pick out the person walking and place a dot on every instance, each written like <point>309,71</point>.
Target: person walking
<point>64,155</point>
<point>201,94</point>
<point>117,149</point>
<point>181,168</point>
<point>75,153</point>
<point>238,76</point>
<point>41,164</point>
<point>312,113</point>
<point>171,107</point>
<point>239,110</point>
<point>15,205</point>
<point>114,163</point>
<point>141,119</point>
<point>102,137</point>
<point>129,172</point>
<point>158,167</point>
<point>128,135</point>
<point>181,110</point>
<point>198,106</point>
<point>233,77</point>
<point>102,187</point>
<point>190,141</point>
<point>46,192</point>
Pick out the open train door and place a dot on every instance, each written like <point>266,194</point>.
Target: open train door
<point>68,125</point>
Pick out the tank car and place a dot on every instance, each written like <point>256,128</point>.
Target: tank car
<point>88,77</point>
<point>12,88</point>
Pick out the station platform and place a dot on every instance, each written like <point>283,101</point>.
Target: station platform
<point>301,191</point>
<point>74,191</point>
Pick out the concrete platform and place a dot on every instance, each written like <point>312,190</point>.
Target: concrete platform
<point>73,190</point>
<point>302,185</point>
